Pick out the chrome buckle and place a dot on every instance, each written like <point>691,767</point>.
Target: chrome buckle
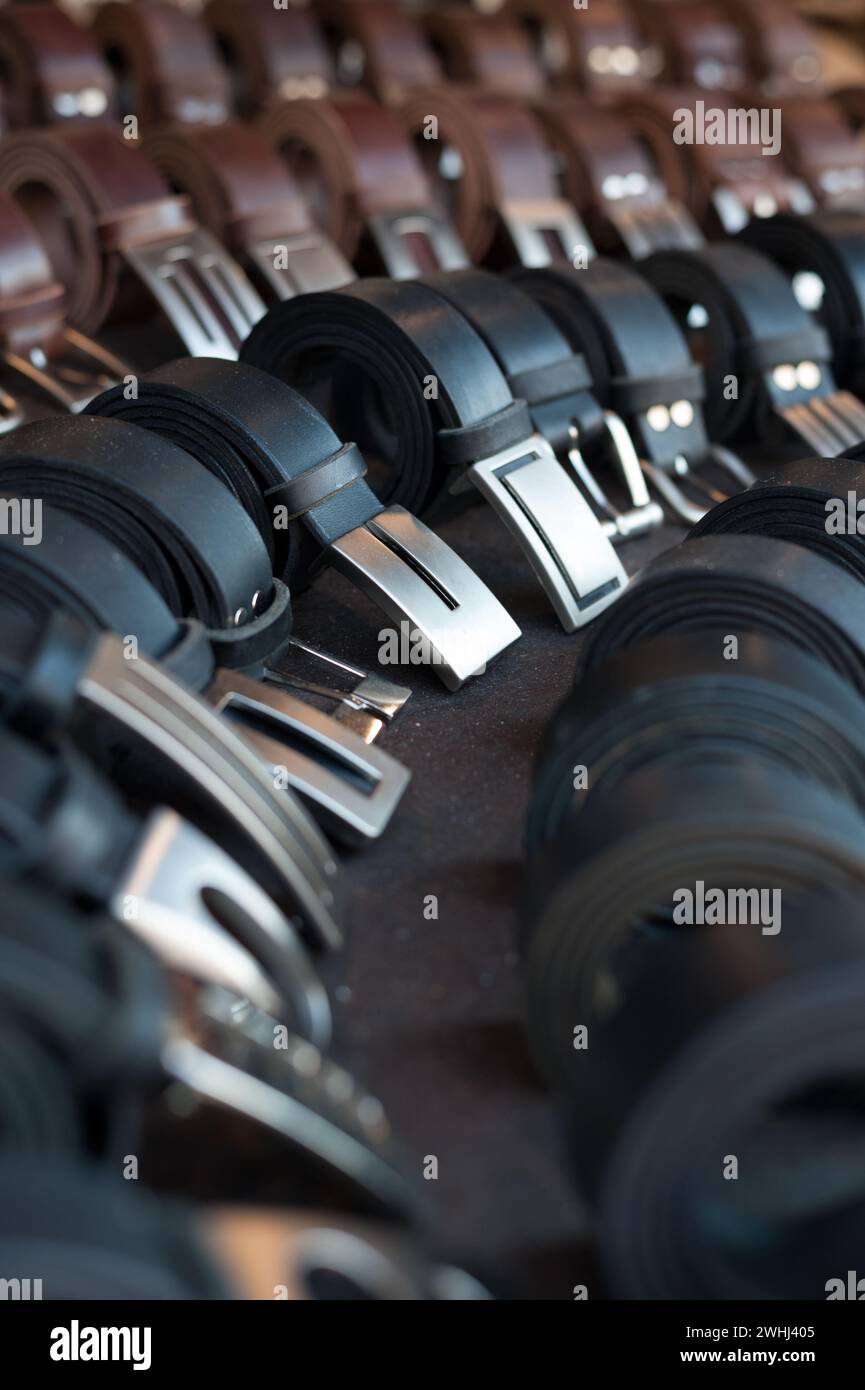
<point>223,777</point>
<point>418,580</point>
<point>366,707</point>
<point>734,214</point>
<point>673,494</point>
<point>312,263</point>
<point>661,226</point>
<point>559,533</point>
<point>643,514</point>
<point>828,424</point>
<point>201,290</point>
<point>352,789</point>
<point>70,385</point>
<point>169,896</point>
<point>389,232</point>
<point>526,223</point>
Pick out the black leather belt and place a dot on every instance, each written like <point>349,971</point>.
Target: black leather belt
<point>643,375</point>
<point>824,254</point>
<point>452,423</point>
<point>306,493</point>
<point>742,583</point>
<point>760,343</point>
<point>677,698</point>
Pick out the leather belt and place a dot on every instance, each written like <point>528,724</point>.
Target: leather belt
<point>491,155</point>
<point>822,150</point>
<point>782,47</point>
<point>643,376</point>
<point>101,209</point>
<point>244,194</point>
<point>304,487</point>
<point>396,339</point>
<point>823,255</point>
<point>491,50</point>
<point>720,185</point>
<point>599,47</point>
<point>52,70</point>
<point>364,184</point>
<point>272,54</point>
<point>747,584</point>
<point>758,336</point>
<point>701,44</point>
<point>380,46</point>
<point>167,64</point>
<point>609,177</point>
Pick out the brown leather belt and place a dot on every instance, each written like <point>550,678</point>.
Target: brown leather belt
<point>782,47</point>
<point>820,147</point>
<point>497,175</point>
<point>243,192</point>
<point>598,46</point>
<point>611,180</point>
<point>701,44</point>
<point>271,54</point>
<point>720,185</point>
<point>364,183</point>
<point>493,51</point>
<point>167,63</point>
<point>101,210</point>
<point>380,46</point>
<point>52,70</point>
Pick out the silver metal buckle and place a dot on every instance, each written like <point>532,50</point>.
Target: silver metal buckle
<point>201,290</point>
<point>660,226</point>
<point>73,379</point>
<point>389,231</point>
<point>734,215</point>
<point>675,496</point>
<point>418,580</point>
<point>643,514</point>
<point>170,894</point>
<point>222,774</point>
<point>366,706</point>
<point>353,789</point>
<point>828,424</point>
<point>559,533</point>
<point>526,223</point>
<point>312,263</point>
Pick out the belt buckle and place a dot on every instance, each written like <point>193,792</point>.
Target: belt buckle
<point>365,703</point>
<point>202,291</point>
<point>559,533</point>
<point>674,494</point>
<point>643,514</point>
<point>312,263</point>
<point>390,233</point>
<point>352,787</point>
<point>534,226</point>
<point>660,226</point>
<point>829,424</point>
<point>71,380</point>
<point>418,580</point>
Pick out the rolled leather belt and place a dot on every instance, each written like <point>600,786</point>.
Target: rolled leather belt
<point>52,70</point>
<point>783,50</point>
<point>747,584</point>
<point>272,54</point>
<point>491,50</point>
<point>503,199</point>
<point>822,150</point>
<point>380,46</point>
<point>823,255</point>
<point>101,209</point>
<point>611,179</point>
<point>677,698</point>
<point>395,339</point>
<point>643,375</point>
<point>767,363</point>
<point>721,185</point>
<point>701,43</point>
<point>305,491</point>
<point>243,193</point>
<point>598,47</point>
<point>167,64</point>
<point>364,184</point>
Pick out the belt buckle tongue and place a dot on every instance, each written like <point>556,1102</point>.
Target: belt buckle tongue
<point>419,581</point>
<point>353,788</point>
<point>559,533</point>
<point>71,380</point>
<point>201,290</point>
<point>545,230</point>
<point>300,263</point>
<point>392,234</point>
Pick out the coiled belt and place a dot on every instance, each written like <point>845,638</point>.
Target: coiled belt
<point>271,54</point>
<point>52,69</point>
<point>169,63</point>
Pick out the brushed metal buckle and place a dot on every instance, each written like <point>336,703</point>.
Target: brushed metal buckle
<point>367,703</point>
<point>537,226</point>
<point>659,226</point>
<point>643,514</point>
<point>72,379</point>
<point>668,485</point>
<point>828,424</point>
<point>391,233</point>
<point>312,263</point>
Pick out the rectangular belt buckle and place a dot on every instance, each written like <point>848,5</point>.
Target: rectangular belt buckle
<point>545,230</point>
<point>202,291</point>
<point>453,622</point>
<point>300,264</point>
<point>559,533</point>
<point>660,226</point>
<point>352,788</point>
<point>829,424</point>
<point>415,243</point>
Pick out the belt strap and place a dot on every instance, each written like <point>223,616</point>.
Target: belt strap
<point>53,70</point>
<point>505,199</point>
<point>782,46</point>
<point>822,150</point>
<point>701,44</point>
<point>244,194</point>
<point>490,50</point>
<point>379,45</point>
<point>169,68</point>
<point>101,208</point>
<point>260,438</point>
<point>599,47</point>
<point>272,54</point>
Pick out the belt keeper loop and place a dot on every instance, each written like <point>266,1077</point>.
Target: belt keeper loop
<point>319,483</point>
